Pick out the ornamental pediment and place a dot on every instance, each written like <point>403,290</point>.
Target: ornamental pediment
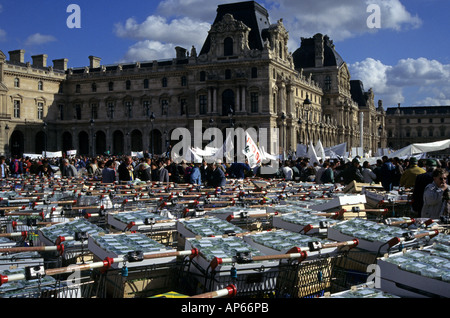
<point>229,24</point>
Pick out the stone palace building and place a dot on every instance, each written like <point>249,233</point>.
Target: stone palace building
<point>242,76</point>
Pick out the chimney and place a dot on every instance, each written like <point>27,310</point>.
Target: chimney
<point>40,60</point>
<point>181,52</point>
<point>319,50</point>
<point>60,64</point>
<point>94,61</point>
<point>17,56</point>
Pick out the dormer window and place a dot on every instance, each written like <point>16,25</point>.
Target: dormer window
<point>228,47</point>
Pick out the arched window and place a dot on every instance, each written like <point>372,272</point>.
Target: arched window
<point>16,82</point>
<point>40,86</point>
<point>254,72</point>
<point>202,76</point>
<point>228,47</point>
<point>227,74</point>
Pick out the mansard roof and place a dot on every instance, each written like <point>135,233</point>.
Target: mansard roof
<point>252,14</point>
<point>304,57</point>
<point>419,110</point>
<point>358,93</point>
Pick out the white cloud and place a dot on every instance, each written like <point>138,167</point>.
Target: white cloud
<point>422,80</point>
<point>38,39</point>
<point>148,51</point>
<point>158,38</point>
<point>157,28</point>
<point>339,19</point>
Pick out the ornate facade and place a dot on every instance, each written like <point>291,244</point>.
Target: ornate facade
<point>243,76</point>
<point>419,124</point>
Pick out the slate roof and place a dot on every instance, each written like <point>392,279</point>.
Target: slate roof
<point>252,14</point>
<point>304,56</point>
<point>420,110</point>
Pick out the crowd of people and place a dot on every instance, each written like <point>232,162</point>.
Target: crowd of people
<point>427,179</point>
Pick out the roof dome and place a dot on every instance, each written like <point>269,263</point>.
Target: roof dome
<point>305,56</point>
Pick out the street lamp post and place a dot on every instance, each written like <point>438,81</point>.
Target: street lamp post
<point>299,124</point>
<point>230,115</point>
<point>152,119</point>
<point>7,139</point>
<point>283,145</point>
<point>306,104</point>
<point>92,137</point>
<point>45,139</point>
<point>380,134</point>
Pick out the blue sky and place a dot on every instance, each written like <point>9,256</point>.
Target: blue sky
<point>406,60</point>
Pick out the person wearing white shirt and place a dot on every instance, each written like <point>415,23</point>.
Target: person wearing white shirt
<point>368,175</point>
<point>287,171</point>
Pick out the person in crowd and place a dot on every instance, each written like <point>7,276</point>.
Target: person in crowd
<point>386,173</point>
<point>319,173</point>
<point>4,168</point>
<point>109,173</point>
<point>238,169</point>
<point>98,172</point>
<point>328,175</point>
<point>436,195</point>
<point>16,167</point>
<point>144,172</point>
<point>27,165</point>
<point>287,171</point>
<point>368,175</point>
<point>68,169</point>
<point>92,166</point>
<point>196,176</point>
<point>377,170</point>
<point>218,178</point>
<point>408,178</point>
<point>174,175</point>
<point>204,170</point>
<point>398,171</point>
<point>352,172</point>
<point>295,171</point>
<point>126,170</point>
<point>162,173</point>
<point>422,180</point>
<point>45,170</point>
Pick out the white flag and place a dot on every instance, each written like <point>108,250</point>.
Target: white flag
<point>252,152</point>
<point>320,152</point>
